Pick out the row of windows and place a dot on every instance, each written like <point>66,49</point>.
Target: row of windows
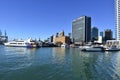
<point>16,43</point>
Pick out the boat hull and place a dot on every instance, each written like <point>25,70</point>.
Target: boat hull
<point>93,49</point>
<point>112,50</point>
<point>65,46</point>
<point>21,46</point>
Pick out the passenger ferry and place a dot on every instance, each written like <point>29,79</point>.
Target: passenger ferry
<point>93,49</point>
<point>21,43</point>
<point>112,48</point>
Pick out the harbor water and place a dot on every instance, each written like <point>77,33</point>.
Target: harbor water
<point>18,63</point>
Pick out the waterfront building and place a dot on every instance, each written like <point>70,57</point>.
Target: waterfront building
<point>61,33</point>
<point>101,33</point>
<point>94,33</point>
<point>81,30</point>
<point>113,42</point>
<point>61,39</point>
<point>51,39</point>
<point>57,34</point>
<point>107,35</point>
<point>117,17</point>
<point>100,40</point>
<point>70,36</point>
<point>3,38</point>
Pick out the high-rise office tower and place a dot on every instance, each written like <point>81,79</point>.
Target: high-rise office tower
<point>117,18</point>
<point>107,35</point>
<point>81,29</point>
<point>101,33</point>
<point>94,33</point>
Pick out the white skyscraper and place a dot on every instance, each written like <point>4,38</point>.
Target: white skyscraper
<point>117,17</point>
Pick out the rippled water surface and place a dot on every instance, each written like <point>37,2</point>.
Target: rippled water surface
<point>57,64</point>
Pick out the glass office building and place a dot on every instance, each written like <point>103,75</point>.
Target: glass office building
<point>81,29</point>
<point>117,17</point>
<point>94,33</point>
<point>107,35</point>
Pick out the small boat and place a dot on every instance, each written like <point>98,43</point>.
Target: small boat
<point>93,49</point>
<point>65,46</point>
<point>21,43</point>
<point>112,48</point>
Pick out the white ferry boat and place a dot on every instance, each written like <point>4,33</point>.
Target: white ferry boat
<point>21,43</point>
<point>93,49</point>
<point>112,48</point>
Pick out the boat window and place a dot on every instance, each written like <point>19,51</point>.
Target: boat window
<point>19,43</point>
<point>12,43</point>
<point>32,41</point>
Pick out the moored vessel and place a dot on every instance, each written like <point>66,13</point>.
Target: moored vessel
<point>21,43</point>
<point>112,48</point>
<point>93,49</point>
<point>65,46</point>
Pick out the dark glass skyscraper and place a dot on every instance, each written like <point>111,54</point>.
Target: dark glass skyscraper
<point>94,33</point>
<point>101,33</point>
<point>107,35</point>
<point>81,29</point>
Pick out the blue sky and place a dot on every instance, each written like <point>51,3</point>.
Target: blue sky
<point>43,18</point>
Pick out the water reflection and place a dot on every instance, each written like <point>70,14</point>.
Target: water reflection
<point>58,54</point>
<point>15,58</point>
<point>58,63</point>
<point>92,65</point>
<point>116,66</point>
<point>19,50</point>
<point>82,64</point>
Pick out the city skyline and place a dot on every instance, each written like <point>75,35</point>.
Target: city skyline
<point>43,18</point>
